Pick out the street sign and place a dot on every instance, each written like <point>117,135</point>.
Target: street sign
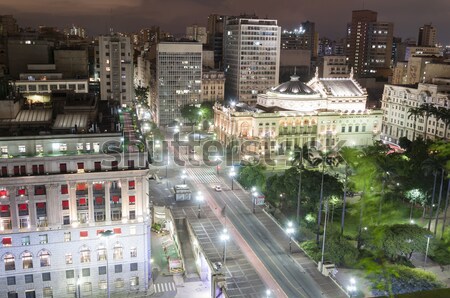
<point>260,200</point>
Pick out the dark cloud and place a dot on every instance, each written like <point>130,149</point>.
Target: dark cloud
<point>330,16</point>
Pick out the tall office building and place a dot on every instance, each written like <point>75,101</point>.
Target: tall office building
<point>427,36</point>
<point>369,43</point>
<point>251,57</point>
<point>303,38</point>
<point>178,79</point>
<point>215,38</point>
<point>116,69</point>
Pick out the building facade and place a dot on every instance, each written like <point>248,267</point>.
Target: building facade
<point>215,38</point>
<point>397,102</point>
<point>331,112</point>
<point>427,36</point>
<point>213,86</point>
<point>197,33</point>
<point>178,79</point>
<point>115,58</point>
<point>334,67</point>
<point>369,43</point>
<point>251,57</point>
<point>303,38</point>
<point>58,195</point>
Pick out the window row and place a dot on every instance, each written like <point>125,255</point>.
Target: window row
<point>26,259</point>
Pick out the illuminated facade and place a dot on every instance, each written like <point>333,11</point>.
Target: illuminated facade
<point>178,79</point>
<point>115,58</point>
<point>58,194</point>
<point>397,102</point>
<point>251,57</point>
<point>325,110</point>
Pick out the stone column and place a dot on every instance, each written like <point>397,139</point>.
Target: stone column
<point>32,207</point>
<point>107,202</point>
<point>73,202</point>
<point>141,198</point>
<point>13,209</point>
<point>90,199</point>
<point>124,197</point>
<point>53,205</point>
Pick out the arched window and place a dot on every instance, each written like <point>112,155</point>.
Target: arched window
<point>44,258</point>
<point>10,262</point>
<point>85,254</point>
<point>118,251</point>
<point>101,253</point>
<point>27,260</point>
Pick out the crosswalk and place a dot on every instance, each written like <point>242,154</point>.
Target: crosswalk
<point>164,287</point>
<point>202,176</point>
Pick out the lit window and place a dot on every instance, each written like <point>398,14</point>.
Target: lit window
<point>22,149</point>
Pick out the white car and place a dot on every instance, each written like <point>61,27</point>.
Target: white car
<point>217,188</point>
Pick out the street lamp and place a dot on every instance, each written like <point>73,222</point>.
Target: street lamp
<point>200,200</point>
<point>224,237</point>
<point>106,235</point>
<point>289,231</point>
<point>232,174</point>
<point>254,194</point>
<point>183,176</point>
<point>428,246</point>
<point>351,289</point>
<point>268,293</point>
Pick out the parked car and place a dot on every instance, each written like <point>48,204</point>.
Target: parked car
<point>217,188</point>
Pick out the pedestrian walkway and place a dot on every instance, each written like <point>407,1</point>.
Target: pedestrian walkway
<point>164,287</point>
<point>202,176</point>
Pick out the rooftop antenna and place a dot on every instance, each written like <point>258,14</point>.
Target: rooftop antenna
<point>295,70</point>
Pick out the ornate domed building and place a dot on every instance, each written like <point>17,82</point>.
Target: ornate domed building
<point>328,111</point>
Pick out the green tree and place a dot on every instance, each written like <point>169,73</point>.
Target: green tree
<point>191,113</point>
<point>252,176</point>
<point>398,241</point>
<point>427,110</point>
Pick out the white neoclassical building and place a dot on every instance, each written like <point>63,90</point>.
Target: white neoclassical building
<point>329,111</point>
<point>398,100</point>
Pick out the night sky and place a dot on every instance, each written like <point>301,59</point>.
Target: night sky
<point>330,16</point>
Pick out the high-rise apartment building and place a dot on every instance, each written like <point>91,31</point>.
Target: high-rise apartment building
<point>303,38</point>
<point>369,43</point>
<point>196,33</point>
<point>215,38</point>
<point>115,60</point>
<point>427,36</point>
<point>178,79</point>
<point>8,25</point>
<point>251,57</point>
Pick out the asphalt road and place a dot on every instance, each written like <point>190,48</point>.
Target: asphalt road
<point>288,274</point>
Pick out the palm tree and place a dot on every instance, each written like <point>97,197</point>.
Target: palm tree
<point>445,209</point>
<point>414,112</point>
<point>439,200</point>
<point>443,114</point>
<point>428,110</point>
<point>431,166</point>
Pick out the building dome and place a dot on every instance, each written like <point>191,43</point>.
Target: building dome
<point>294,87</point>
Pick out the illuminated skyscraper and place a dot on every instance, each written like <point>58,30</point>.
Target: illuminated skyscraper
<point>251,57</point>
<point>369,43</point>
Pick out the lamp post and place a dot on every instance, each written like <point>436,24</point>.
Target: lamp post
<point>428,246</point>
<point>268,293</point>
<point>200,200</point>
<point>79,287</point>
<point>224,237</point>
<point>106,235</point>
<point>324,236</point>
<point>254,194</point>
<point>289,232</point>
<point>232,174</point>
<point>183,176</point>
<point>351,289</point>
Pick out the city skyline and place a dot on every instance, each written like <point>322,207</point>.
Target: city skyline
<point>97,17</point>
